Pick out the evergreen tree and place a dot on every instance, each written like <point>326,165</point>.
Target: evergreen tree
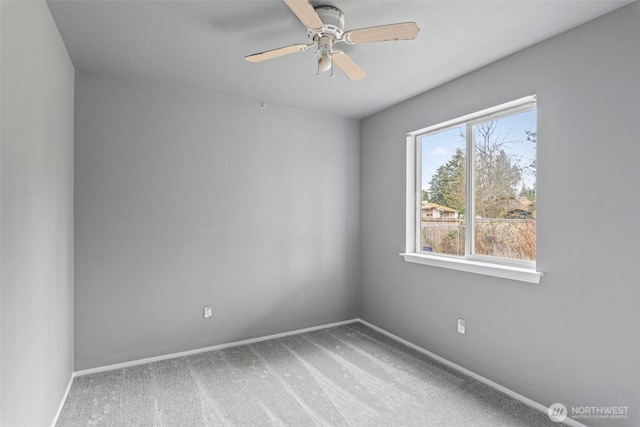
<point>447,185</point>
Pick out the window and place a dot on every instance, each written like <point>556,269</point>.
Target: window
<point>471,192</point>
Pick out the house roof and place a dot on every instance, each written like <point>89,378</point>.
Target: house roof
<point>431,205</point>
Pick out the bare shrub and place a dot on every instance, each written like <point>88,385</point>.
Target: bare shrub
<point>505,238</point>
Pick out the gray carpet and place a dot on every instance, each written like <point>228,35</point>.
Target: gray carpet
<point>347,375</point>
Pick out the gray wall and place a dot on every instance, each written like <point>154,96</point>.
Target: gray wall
<point>574,338</point>
<point>36,178</point>
<point>185,199</point>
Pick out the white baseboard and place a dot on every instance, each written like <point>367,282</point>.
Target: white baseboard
<point>205,349</point>
<point>531,403</point>
<point>64,399</point>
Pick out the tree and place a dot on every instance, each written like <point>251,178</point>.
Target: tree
<point>498,175</point>
<point>447,185</point>
<point>531,169</point>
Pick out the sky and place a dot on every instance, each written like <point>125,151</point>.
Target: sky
<point>438,148</point>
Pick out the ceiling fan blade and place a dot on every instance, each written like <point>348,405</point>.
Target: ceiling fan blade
<point>306,14</point>
<point>275,53</point>
<point>348,67</point>
<point>401,31</point>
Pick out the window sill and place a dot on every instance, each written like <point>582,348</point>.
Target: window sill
<point>477,267</point>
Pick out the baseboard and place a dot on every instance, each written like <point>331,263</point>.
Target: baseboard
<point>517,396</point>
<point>205,349</point>
<point>64,399</point>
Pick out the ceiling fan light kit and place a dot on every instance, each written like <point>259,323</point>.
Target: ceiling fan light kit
<point>325,27</point>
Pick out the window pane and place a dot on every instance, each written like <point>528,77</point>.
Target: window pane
<point>505,187</point>
<point>442,202</point>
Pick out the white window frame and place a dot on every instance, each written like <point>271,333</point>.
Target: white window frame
<point>520,270</point>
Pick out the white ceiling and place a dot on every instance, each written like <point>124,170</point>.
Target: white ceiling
<point>200,45</point>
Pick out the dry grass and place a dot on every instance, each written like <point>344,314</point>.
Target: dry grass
<point>515,238</point>
<point>505,238</point>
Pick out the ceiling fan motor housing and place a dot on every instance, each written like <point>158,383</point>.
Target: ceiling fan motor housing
<point>333,20</point>
<point>325,27</point>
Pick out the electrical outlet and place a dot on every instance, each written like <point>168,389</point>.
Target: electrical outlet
<point>207,311</point>
<point>462,326</point>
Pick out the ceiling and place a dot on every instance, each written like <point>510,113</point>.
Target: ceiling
<point>200,45</point>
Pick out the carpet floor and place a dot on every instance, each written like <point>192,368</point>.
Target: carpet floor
<point>348,375</point>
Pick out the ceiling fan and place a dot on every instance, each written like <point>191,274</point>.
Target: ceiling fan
<point>325,27</point>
